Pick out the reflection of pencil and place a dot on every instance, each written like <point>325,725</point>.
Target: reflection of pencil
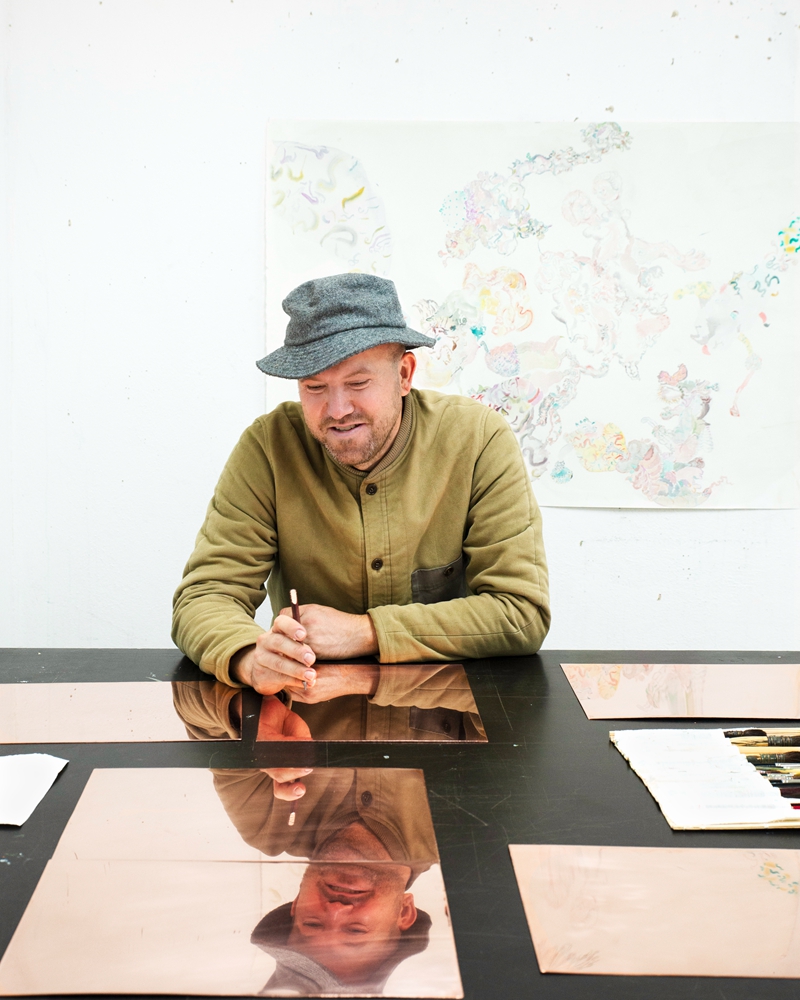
<point>296,616</point>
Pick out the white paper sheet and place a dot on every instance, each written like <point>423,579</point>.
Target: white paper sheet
<point>24,781</point>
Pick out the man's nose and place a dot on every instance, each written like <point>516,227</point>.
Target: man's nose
<point>338,910</point>
<point>339,404</point>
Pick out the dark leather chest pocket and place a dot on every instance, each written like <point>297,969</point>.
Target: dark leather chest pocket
<point>442,583</point>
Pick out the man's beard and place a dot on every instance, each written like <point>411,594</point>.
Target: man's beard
<point>364,451</point>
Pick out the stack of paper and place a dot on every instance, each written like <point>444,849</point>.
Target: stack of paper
<point>702,781</point>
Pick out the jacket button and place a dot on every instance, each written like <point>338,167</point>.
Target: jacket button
<point>377,563</point>
<point>446,725</point>
<point>449,571</point>
<point>366,798</point>
<point>372,489</point>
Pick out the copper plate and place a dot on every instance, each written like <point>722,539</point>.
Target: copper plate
<point>661,911</point>
<point>114,712</point>
<point>186,881</point>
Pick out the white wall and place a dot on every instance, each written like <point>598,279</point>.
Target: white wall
<point>133,295</point>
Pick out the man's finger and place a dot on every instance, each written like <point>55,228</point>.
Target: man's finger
<point>283,646</point>
<point>289,791</point>
<point>285,624</point>
<point>286,774</point>
<point>287,672</point>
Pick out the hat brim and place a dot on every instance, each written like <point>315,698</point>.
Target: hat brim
<point>311,359</point>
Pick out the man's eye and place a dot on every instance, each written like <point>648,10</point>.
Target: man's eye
<point>359,385</point>
<point>358,929</point>
<point>312,924</point>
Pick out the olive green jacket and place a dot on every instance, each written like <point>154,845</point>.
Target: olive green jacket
<point>389,801</point>
<point>440,543</point>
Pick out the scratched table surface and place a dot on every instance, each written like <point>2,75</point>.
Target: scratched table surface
<point>547,775</point>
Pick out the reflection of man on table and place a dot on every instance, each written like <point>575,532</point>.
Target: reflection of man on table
<point>404,518</point>
<point>410,701</point>
<point>414,702</point>
<point>368,835</point>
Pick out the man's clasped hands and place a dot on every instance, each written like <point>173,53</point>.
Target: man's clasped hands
<point>286,657</point>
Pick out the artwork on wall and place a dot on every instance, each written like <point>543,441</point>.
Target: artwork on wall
<point>661,911</point>
<point>624,294</point>
<point>190,882</point>
<point>686,690</point>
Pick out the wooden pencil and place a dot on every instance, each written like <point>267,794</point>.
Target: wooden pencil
<point>296,615</point>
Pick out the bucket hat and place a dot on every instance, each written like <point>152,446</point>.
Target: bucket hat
<point>331,319</point>
<point>299,975</point>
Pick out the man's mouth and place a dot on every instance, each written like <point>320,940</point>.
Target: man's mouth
<point>343,430</point>
<point>335,893</point>
<point>345,890</point>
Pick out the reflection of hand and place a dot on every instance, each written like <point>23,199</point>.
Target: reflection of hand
<point>277,722</point>
<point>334,635</point>
<point>284,782</point>
<point>279,659</point>
<point>337,679</point>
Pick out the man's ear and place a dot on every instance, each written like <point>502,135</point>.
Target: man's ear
<point>406,369</point>
<point>408,912</point>
<point>294,907</point>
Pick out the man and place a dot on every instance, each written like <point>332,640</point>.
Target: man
<point>405,519</point>
<point>368,835</point>
<point>349,928</point>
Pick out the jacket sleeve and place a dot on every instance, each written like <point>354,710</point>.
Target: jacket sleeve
<point>442,686</point>
<point>223,583</point>
<point>262,821</point>
<point>507,610</point>
<point>205,709</point>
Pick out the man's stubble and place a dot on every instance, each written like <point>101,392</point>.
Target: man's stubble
<point>379,432</point>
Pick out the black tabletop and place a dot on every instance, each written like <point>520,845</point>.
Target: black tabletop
<point>547,775</point>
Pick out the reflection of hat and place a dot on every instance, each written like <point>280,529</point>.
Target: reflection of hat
<point>299,973</point>
<point>331,319</point>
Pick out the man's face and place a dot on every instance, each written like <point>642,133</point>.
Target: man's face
<point>354,408</point>
<point>348,917</point>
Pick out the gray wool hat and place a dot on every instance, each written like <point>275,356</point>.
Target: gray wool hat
<point>331,319</point>
<point>298,975</point>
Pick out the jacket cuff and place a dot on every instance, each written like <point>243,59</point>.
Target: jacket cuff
<point>219,662</point>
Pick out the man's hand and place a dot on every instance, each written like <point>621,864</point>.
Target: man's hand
<point>337,679</point>
<point>279,659</point>
<point>277,722</point>
<point>335,635</point>
<point>285,784</point>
